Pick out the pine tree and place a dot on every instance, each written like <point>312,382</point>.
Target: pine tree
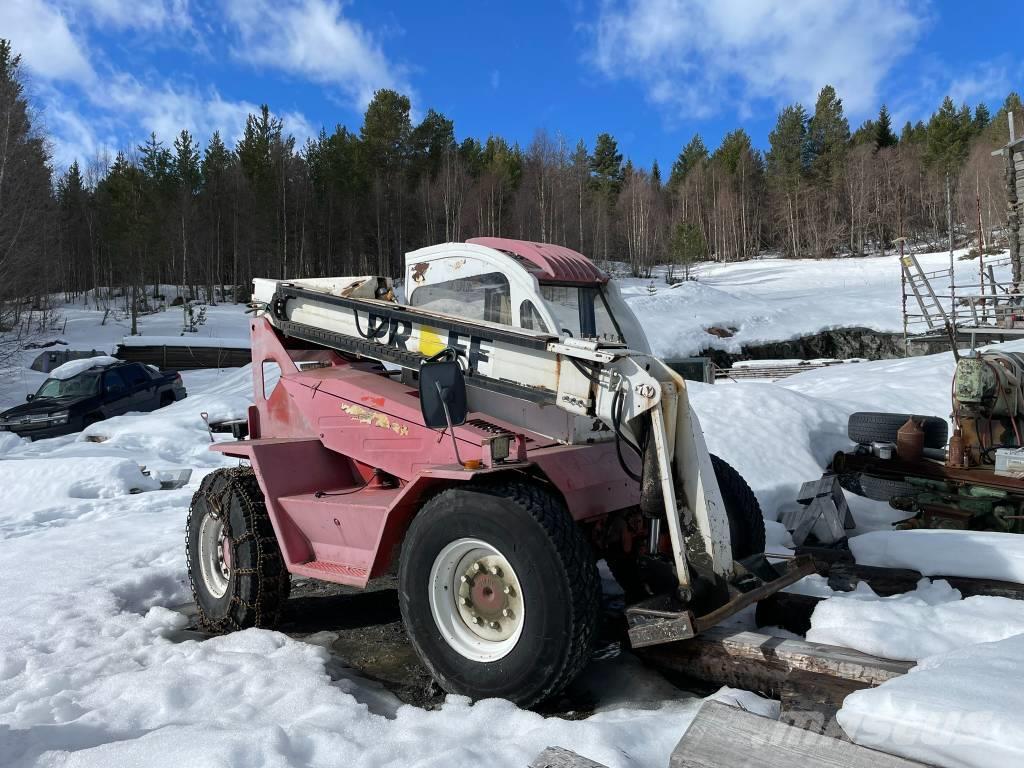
<point>948,138</point>
<point>999,129</point>
<point>865,134</point>
<point>655,175</point>
<point>828,135</point>
<point>786,167</point>
<point>693,154</point>
<point>884,137</point>
<point>981,118</point>
<point>606,164</point>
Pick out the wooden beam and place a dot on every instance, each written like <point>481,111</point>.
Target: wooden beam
<point>721,736</point>
<point>758,662</point>
<point>811,701</point>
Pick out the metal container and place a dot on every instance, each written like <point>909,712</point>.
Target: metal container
<point>910,441</point>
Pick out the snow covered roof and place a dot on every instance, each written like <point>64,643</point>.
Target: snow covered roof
<point>72,368</point>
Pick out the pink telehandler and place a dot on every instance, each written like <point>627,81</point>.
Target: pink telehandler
<point>490,438</point>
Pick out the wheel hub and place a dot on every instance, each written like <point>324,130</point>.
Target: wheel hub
<point>215,556</point>
<point>489,601</point>
<point>476,600</point>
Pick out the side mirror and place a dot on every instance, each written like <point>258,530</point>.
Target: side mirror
<point>29,398</point>
<point>442,394</point>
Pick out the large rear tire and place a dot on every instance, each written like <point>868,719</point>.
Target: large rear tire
<point>499,592</point>
<point>746,532</point>
<point>235,568</point>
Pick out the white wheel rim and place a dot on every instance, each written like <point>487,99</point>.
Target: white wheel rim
<point>214,570</point>
<point>475,600</point>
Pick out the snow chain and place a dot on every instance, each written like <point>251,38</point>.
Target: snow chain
<point>267,571</point>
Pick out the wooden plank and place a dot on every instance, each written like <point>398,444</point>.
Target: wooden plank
<point>557,757</point>
<point>811,701</point>
<point>758,662</point>
<point>721,736</point>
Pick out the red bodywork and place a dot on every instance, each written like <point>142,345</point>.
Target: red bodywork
<point>556,263</point>
<point>318,436</point>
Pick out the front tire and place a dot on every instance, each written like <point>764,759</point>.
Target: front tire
<point>499,592</point>
<point>235,567</point>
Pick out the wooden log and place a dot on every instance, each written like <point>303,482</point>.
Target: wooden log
<point>892,581</point>
<point>721,736</point>
<point>557,757</point>
<point>758,662</point>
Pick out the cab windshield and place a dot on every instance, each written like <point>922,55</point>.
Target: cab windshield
<point>82,385</point>
<point>581,312</point>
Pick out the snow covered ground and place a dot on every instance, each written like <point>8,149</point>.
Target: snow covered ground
<point>777,300</point>
<point>94,671</point>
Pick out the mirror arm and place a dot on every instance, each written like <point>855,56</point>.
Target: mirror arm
<point>448,417</point>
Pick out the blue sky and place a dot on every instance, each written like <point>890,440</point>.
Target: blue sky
<point>104,73</point>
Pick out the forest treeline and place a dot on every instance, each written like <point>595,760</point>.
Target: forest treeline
<point>353,202</point>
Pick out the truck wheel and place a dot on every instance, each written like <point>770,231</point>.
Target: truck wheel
<point>746,522</point>
<point>868,427</point>
<point>235,567</point>
<point>884,489</point>
<point>499,592</point>
<point>746,531</point>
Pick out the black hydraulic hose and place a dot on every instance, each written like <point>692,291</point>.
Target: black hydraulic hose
<point>620,438</point>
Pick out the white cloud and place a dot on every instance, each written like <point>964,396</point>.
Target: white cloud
<point>695,57</point>
<point>42,36</point>
<point>135,14</point>
<point>314,40</point>
<point>986,81</point>
<point>124,111</point>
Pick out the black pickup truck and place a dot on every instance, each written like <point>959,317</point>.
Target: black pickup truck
<point>70,404</point>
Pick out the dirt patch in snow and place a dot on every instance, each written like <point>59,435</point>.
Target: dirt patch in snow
<point>363,631</point>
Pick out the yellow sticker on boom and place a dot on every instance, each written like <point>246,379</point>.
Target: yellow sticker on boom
<point>431,341</point>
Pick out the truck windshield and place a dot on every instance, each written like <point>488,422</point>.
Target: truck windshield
<point>83,384</point>
<point>581,312</point>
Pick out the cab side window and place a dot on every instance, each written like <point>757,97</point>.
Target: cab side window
<point>530,318</point>
<point>134,375</point>
<point>114,381</point>
<point>480,297</point>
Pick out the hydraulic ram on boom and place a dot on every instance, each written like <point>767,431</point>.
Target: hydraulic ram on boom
<point>499,342</point>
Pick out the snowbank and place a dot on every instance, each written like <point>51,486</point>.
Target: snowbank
<point>974,554</point>
<point>957,709</point>
<point>932,619</point>
<point>775,300</point>
<point>34,491</point>
<point>72,368</point>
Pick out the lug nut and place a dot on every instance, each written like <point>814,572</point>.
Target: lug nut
<point>478,621</point>
<point>463,601</point>
<point>509,591</point>
<point>495,625</point>
<point>496,571</point>
<point>477,568</point>
<point>507,613</point>
<point>465,579</point>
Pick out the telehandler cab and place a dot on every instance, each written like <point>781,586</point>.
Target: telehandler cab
<point>491,438</point>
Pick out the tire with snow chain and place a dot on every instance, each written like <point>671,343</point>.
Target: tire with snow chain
<point>868,427</point>
<point>499,592</point>
<point>235,567</point>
